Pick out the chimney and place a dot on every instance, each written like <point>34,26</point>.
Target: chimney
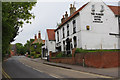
<point>72,9</point>
<point>35,36</point>
<point>63,19</point>
<point>39,35</point>
<point>66,15</point>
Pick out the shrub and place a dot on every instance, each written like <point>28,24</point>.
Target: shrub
<point>32,53</point>
<point>29,56</point>
<point>37,55</point>
<point>79,50</point>
<point>59,55</point>
<point>69,55</point>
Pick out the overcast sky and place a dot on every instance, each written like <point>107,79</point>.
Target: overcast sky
<point>47,15</point>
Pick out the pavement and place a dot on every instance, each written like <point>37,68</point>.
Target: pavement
<point>113,72</point>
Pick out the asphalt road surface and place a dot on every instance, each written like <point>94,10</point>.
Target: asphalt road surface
<point>20,67</point>
<point>15,69</point>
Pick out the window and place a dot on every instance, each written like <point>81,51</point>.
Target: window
<point>119,24</point>
<point>63,45</point>
<point>63,33</point>
<point>75,41</point>
<point>67,29</point>
<point>74,26</point>
<point>87,27</point>
<point>58,36</point>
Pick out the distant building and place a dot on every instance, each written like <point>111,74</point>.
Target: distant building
<point>49,43</point>
<point>13,50</point>
<point>38,40</point>
<point>93,26</point>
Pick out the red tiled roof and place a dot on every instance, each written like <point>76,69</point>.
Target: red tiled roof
<point>51,34</point>
<point>115,9</point>
<point>34,41</point>
<point>75,13</point>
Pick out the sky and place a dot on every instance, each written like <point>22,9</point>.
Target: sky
<point>47,15</point>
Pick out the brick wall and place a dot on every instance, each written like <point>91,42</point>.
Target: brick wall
<point>62,60</point>
<point>92,59</point>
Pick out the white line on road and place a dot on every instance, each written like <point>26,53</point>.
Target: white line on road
<point>53,75</point>
<point>76,71</point>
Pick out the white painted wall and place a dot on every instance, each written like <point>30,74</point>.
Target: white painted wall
<point>99,32</point>
<point>98,36</point>
<point>50,45</point>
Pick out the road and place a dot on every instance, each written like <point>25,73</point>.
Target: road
<point>22,67</point>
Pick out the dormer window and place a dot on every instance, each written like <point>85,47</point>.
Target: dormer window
<point>93,8</point>
<point>102,8</point>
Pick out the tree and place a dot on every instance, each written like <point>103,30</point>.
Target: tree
<point>14,15</point>
<point>27,46</point>
<point>36,47</point>
<point>20,49</point>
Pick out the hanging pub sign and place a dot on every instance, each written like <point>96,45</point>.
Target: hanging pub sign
<point>97,17</point>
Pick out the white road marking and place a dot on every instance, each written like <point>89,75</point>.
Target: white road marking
<point>77,71</point>
<point>53,75</point>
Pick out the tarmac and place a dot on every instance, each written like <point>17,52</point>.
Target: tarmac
<point>112,72</point>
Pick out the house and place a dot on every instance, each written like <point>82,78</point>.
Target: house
<point>36,45</point>
<point>49,43</point>
<point>38,40</point>
<point>93,26</point>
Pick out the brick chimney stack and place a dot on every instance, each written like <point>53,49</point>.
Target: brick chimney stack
<point>39,35</point>
<point>63,19</point>
<point>72,9</point>
<point>35,36</point>
<point>66,15</point>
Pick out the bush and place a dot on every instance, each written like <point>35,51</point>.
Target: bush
<point>37,56</point>
<point>60,55</point>
<point>69,55</point>
<point>29,56</point>
<point>79,50</point>
<point>32,53</point>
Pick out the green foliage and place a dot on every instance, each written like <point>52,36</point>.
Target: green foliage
<point>79,50</point>
<point>38,48</point>
<point>69,55</point>
<point>27,46</point>
<point>14,14</point>
<point>20,49</point>
<point>61,54</point>
<point>29,56</point>
<point>32,53</point>
<point>37,55</point>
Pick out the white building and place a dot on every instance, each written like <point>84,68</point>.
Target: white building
<point>93,26</point>
<point>49,43</point>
